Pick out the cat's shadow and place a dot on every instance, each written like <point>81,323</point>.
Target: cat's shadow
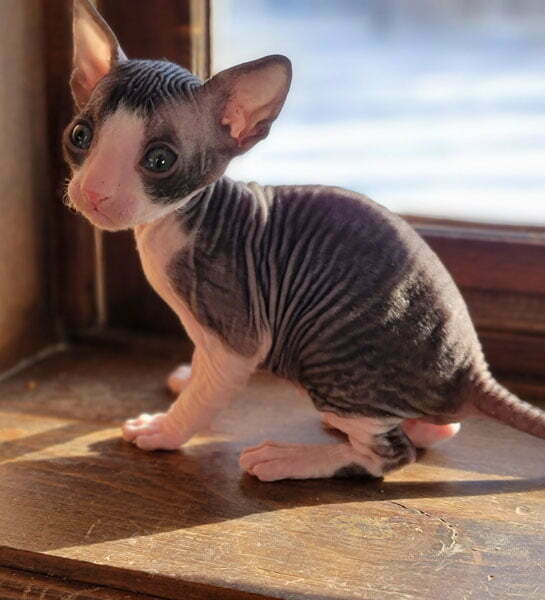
<point>117,492</point>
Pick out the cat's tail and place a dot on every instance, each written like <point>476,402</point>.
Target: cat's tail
<point>495,401</point>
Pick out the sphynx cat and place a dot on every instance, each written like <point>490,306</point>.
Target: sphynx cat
<point>319,285</point>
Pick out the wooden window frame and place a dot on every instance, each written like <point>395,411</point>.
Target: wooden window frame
<point>500,269</point>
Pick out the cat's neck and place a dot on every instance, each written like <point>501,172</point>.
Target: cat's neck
<point>185,206</point>
<point>247,200</point>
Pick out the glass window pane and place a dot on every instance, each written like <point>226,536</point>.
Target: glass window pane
<point>430,107</point>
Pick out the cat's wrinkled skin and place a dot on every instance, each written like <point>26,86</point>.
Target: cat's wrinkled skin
<point>319,285</point>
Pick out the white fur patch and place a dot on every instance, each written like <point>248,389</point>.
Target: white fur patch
<point>217,373</point>
<point>110,172</point>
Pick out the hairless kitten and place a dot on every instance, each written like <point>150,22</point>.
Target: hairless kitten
<point>319,285</point>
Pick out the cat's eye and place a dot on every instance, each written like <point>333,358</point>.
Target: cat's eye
<point>159,159</point>
<point>81,136</point>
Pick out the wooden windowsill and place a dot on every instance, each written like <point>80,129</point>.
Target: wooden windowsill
<point>82,511</point>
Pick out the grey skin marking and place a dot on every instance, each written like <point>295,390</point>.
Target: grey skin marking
<point>358,308</point>
<point>363,315</point>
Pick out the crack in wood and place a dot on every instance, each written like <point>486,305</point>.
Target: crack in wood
<point>453,547</point>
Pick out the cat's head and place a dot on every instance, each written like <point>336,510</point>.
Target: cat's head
<point>149,134</point>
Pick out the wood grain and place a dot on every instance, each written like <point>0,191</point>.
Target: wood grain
<point>500,273</point>
<point>517,313</point>
<point>71,248</point>
<point>514,353</point>
<point>26,325</point>
<point>488,260</point>
<point>70,255</point>
<point>21,585</point>
<point>466,521</point>
<point>159,30</point>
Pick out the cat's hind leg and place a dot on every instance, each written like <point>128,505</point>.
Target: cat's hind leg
<point>421,433</point>
<point>426,435</point>
<point>373,447</point>
<point>271,461</point>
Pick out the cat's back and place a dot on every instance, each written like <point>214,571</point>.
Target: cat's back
<point>346,222</point>
<point>343,237</point>
<point>361,301</point>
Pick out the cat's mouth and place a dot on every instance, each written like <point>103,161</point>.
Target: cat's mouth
<point>97,217</point>
<point>100,219</point>
<point>95,214</point>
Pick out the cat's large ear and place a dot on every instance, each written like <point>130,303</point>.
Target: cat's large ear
<point>250,97</point>
<point>96,50</point>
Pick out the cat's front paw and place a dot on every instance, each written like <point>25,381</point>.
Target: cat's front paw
<point>153,432</point>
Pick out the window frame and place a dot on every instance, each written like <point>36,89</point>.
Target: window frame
<point>500,270</point>
<point>496,266</point>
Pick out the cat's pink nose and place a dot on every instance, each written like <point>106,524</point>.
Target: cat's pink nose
<point>95,198</point>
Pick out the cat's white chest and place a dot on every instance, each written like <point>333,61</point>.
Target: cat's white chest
<point>158,242</point>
